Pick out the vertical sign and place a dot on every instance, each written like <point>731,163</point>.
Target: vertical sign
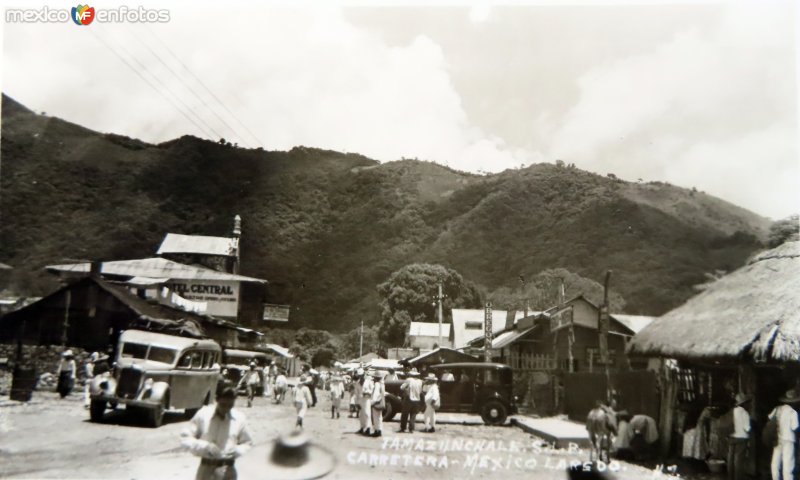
<point>487,333</point>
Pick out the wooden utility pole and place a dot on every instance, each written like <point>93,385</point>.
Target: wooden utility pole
<point>603,326</point>
<point>361,340</point>
<point>524,296</point>
<point>439,299</point>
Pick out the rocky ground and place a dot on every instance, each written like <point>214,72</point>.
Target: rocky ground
<point>53,438</point>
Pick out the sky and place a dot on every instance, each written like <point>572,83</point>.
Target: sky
<point>700,94</point>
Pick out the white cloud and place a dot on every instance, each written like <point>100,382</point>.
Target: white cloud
<point>712,108</point>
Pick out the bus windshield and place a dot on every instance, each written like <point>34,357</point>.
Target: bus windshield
<point>134,350</point>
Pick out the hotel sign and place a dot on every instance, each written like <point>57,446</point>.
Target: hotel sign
<point>221,297</point>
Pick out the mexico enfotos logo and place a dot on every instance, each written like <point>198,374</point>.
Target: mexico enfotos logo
<point>84,15</point>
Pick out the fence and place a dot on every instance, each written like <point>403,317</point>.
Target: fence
<point>531,362</point>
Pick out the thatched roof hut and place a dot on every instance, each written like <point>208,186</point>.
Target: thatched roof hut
<point>751,314</point>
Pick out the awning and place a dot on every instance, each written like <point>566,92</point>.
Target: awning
<point>509,337</point>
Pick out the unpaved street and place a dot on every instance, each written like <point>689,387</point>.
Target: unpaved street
<point>52,438</point>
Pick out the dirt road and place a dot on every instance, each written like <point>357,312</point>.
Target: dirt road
<point>53,438</point>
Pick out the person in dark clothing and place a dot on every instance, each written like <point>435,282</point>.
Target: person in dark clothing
<point>313,376</point>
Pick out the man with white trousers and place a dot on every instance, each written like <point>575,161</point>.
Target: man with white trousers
<point>365,416</point>
<point>378,403</point>
<point>432,402</point>
<point>783,458</point>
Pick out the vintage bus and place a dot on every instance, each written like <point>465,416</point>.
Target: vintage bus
<point>155,372</point>
<point>235,363</point>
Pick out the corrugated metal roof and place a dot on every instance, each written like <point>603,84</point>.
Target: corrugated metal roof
<point>198,244</point>
<point>427,329</point>
<point>506,338</point>
<point>154,268</point>
<point>462,316</point>
<point>634,322</point>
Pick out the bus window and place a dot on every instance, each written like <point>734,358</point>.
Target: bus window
<point>134,350</point>
<point>208,359</point>
<point>197,359</point>
<point>186,361</point>
<point>161,354</point>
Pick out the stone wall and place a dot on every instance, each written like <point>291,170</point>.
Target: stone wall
<point>43,357</point>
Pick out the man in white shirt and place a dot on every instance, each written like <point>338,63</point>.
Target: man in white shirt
<point>737,446</point>
<point>365,416</point>
<point>377,402</point>
<point>783,459</point>
<point>218,434</point>
<point>412,401</point>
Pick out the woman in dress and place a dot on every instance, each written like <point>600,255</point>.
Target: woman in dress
<point>67,371</point>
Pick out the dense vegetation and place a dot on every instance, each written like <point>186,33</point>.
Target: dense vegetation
<point>326,228</point>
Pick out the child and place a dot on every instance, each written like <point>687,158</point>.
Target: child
<point>302,398</point>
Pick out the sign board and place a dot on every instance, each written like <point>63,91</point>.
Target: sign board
<point>221,297</point>
<point>276,313</point>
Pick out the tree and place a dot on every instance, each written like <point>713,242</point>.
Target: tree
<point>308,344</point>
<point>542,291</point>
<point>787,229</point>
<point>409,295</point>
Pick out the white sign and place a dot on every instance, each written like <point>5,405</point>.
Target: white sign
<point>221,297</point>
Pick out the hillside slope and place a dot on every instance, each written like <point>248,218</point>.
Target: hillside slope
<point>325,227</point>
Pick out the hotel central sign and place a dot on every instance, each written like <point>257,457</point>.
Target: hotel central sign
<point>221,297</point>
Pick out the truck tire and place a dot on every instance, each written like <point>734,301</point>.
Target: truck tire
<point>494,412</point>
<point>390,411</point>
<point>155,415</point>
<point>96,410</point>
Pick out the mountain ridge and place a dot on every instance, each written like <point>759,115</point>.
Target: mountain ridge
<point>326,227</point>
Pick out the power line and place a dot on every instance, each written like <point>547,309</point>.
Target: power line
<point>148,82</point>
<point>166,87</point>
<point>220,102</point>
<point>189,87</point>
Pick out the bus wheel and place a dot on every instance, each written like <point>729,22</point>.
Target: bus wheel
<point>155,415</point>
<point>96,410</point>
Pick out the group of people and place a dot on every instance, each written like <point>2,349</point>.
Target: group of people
<point>96,364</point>
<point>780,434</point>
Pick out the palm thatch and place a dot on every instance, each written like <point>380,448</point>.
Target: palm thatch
<point>752,313</point>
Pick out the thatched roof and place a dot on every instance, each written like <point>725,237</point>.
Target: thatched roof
<point>752,313</point>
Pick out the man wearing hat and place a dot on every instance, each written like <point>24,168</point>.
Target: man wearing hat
<point>250,381</point>
<point>412,401</point>
<point>88,369</point>
<point>783,458</point>
<point>302,398</point>
<point>367,387</point>
<point>432,402</point>
<point>737,446</point>
<point>378,402</point>
<point>218,434</point>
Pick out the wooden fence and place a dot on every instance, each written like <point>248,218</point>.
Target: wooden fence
<point>531,362</point>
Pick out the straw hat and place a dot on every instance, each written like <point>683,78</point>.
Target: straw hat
<point>67,353</point>
<point>360,371</point>
<point>289,457</point>
<point>741,399</point>
<point>377,374</point>
<point>413,373</point>
<point>790,397</point>
<point>431,377</point>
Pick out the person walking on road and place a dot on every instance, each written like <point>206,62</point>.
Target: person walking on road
<point>280,386</point>
<point>313,376</point>
<point>302,399</point>
<point>432,402</point>
<point>250,381</point>
<point>67,372</point>
<point>737,446</point>
<point>337,394</point>
<point>365,416</point>
<point>783,455</point>
<point>218,434</point>
<point>89,375</point>
<point>412,390</point>
<point>378,403</point>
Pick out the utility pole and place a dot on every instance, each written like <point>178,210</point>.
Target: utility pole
<point>439,298</point>
<point>361,341</point>
<point>603,326</point>
<point>525,297</point>
<point>488,335</point>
